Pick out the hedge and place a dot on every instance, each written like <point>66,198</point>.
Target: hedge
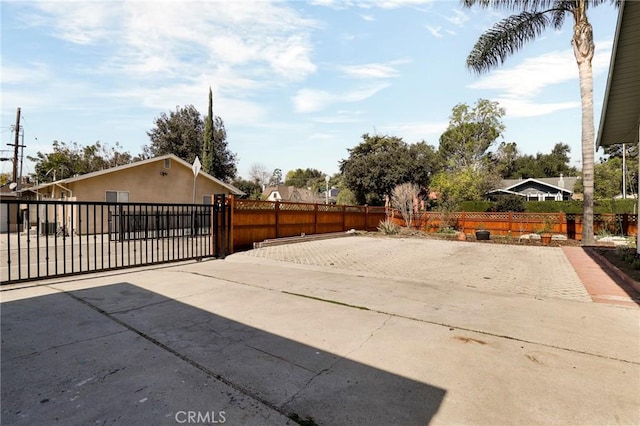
<point>599,206</point>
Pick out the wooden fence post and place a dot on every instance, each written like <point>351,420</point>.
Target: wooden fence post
<point>463,218</point>
<point>344,212</point>
<point>562,220</point>
<point>366,217</point>
<point>277,218</point>
<point>232,207</point>
<point>510,222</point>
<point>315,218</point>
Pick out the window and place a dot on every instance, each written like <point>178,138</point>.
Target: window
<point>167,163</point>
<point>117,196</point>
<point>206,199</point>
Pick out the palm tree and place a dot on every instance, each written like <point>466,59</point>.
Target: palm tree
<point>511,33</point>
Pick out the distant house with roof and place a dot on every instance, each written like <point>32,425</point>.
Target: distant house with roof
<point>291,194</point>
<point>539,189</point>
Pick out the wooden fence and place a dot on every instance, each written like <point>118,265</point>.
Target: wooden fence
<point>255,221</point>
<point>516,224</point>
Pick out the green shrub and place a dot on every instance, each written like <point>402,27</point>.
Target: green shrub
<point>615,206</point>
<point>553,206</point>
<point>510,203</point>
<point>476,206</point>
<point>599,206</point>
<point>388,227</point>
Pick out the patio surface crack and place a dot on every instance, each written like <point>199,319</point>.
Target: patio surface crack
<point>333,364</point>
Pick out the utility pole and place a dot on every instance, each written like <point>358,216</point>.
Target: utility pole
<point>624,172</point>
<point>17,178</point>
<point>15,147</point>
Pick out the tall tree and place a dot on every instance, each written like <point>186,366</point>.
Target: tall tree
<point>304,178</point>
<point>506,157</point>
<point>276,178</point>
<point>251,189</point>
<point>471,131</point>
<point>223,160</point>
<point>511,164</point>
<point>72,159</point>
<point>467,174</point>
<point>207,143</point>
<point>182,133</point>
<point>379,163</point>
<point>628,152</point>
<point>510,34</point>
<point>179,133</point>
<point>259,173</point>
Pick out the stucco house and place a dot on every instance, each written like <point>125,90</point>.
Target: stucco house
<point>163,179</point>
<point>540,189</point>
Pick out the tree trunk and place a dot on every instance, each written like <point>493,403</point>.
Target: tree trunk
<point>583,49</point>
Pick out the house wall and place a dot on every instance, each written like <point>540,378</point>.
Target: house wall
<point>148,183</point>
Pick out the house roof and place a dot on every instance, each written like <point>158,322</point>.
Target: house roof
<point>507,185</point>
<point>620,118</point>
<point>173,157</point>
<point>291,193</point>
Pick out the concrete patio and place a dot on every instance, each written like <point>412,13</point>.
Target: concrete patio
<point>398,332</point>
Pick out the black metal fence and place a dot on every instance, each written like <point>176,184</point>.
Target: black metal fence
<point>45,239</point>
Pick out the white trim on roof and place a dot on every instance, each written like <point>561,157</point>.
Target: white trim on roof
<point>540,182</point>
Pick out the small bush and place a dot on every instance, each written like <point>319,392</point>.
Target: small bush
<point>510,203</point>
<point>388,227</point>
<point>476,206</point>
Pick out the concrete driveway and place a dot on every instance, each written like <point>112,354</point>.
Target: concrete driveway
<point>355,330</point>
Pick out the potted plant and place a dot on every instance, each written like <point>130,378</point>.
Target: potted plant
<point>482,234</point>
<point>546,231</point>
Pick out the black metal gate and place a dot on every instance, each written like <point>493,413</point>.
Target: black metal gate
<point>45,239</point>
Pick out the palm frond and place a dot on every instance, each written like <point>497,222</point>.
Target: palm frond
<point>505,38</point>
<point>594,3</point>
<point>523,5</point>
<point>534,5</point>
<point>560,12</point>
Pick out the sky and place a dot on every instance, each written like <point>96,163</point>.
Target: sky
<point>297,83</point>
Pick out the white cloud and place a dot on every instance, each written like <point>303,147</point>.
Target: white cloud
<point>532,75</point>
<point>519,85</point>
<point>35,72</point>
<point>369,4</point>
<point>459,18</point>
<point>310,100</point>
<point>78,22</point>
<point>369,18</point>
<point>232,110</point>
<point>393,4</point>
<point>525,108</point>
<point>373,70</point>
<point>145,38</point>
<point>435,31</point>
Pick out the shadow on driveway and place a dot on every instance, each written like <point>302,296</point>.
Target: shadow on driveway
<point>122,354</point>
